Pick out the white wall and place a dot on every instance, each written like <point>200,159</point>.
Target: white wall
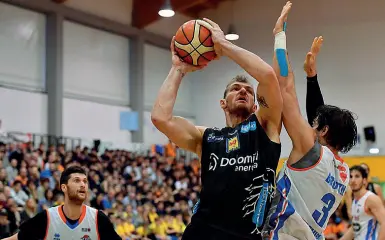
<point>22,46</point>
<point>23,111</point>
<point>95,64</point>
<point>157,63</point>
<point>116,10</point>
<point>351,56</point>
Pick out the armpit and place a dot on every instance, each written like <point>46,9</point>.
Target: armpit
<point>310,158</point>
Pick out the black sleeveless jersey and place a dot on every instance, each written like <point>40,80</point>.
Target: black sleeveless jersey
<point>238,179</point>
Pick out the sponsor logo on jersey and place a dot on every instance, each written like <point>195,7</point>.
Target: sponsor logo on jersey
<point>356,227</point>
<point>250,126</point>
<point>242,163</point>
<point>213,138</point>
<point>343,173</point>
<point>56,236</point>
<point>85,237</point>
<point>86,229</point>
<point>232,144</point>
<point>340,187</point>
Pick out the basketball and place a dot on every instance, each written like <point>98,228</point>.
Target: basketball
<point>193,43</point>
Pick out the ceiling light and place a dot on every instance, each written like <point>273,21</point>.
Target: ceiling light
<point>232,34</point>
<point>166,10</point>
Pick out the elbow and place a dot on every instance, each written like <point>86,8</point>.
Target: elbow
<point>157,120</point>
<point>270,73</point>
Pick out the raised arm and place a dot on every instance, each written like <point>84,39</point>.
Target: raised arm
<point>300,132</point>
<point>268,92</point>
<point>314,98</point>
<point>179,130</point>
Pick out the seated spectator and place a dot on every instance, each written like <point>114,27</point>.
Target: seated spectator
<point>4,224</point>
<point>18,194</point>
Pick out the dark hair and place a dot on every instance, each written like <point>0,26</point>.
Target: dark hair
<point>360,169</point>
<point>66,175</point>
<point>342,132</point>
<point>238,78</point>
<point>17,182</point>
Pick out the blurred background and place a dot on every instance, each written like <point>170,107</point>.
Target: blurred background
<point>78,79</point>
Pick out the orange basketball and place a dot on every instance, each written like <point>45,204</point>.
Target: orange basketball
<point>193,43</point>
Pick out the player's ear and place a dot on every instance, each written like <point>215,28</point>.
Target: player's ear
<point>323,131</point>
<point>365,181</point>
<point>63,187</point>
<point>255,107</point>
<point>223,104</point>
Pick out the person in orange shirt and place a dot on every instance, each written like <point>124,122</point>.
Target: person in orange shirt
<point>335,229</point>
<point>170,149</point>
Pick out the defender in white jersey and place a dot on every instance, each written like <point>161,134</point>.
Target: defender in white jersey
<point>71,221</point>
<point>314,179</point>
<point>368,212</point>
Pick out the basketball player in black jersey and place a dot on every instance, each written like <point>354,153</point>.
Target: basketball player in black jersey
<point>238,161</point>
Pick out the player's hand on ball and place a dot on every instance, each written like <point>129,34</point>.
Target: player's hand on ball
<point>310,64</point>
<point>177,62</point>
<point>282,19</point>
<point>217,35</point>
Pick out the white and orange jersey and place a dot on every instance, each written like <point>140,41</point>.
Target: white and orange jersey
<point>58,228</point>
<point>307,195</point>
<point>365,226</point>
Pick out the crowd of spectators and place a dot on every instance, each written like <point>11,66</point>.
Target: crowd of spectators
<point>146,196</point>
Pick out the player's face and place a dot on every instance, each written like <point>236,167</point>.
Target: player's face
<point>240,98</point>
<point>77,188</point>
<point>356,181</point>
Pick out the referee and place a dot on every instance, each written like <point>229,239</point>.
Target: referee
<point>73,220</point>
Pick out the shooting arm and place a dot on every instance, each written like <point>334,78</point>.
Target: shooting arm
<point>179,130</point>
<point>300,132</point>
<point>268,94</point>
<point>314,98</point>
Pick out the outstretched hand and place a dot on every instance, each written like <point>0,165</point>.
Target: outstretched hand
<point>217,35</point>
<point>310,64</point>
<point>279,26</point>
<point>178,62</point>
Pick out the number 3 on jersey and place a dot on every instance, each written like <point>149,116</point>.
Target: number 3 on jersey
<point>321,217</point>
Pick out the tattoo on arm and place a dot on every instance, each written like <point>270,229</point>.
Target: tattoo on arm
<point>262,101</point>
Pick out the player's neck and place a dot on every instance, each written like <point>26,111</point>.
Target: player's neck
<point>233,120</point>
<point>357,195</point>
<point>72,211</point>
